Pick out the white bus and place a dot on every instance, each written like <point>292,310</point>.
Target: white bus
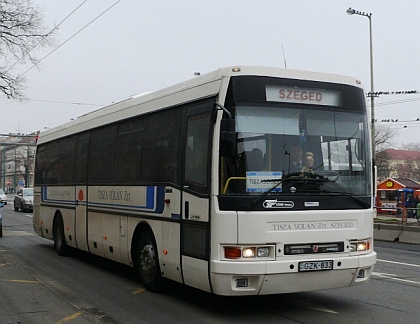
<point>194,183</point>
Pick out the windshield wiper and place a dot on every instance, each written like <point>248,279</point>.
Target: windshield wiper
<point>252,204</point>
<point>350,195</point>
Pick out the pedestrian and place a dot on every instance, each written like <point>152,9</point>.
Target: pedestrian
<point>416,202</point>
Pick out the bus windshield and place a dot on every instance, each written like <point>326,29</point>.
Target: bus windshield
<point>292,150</point>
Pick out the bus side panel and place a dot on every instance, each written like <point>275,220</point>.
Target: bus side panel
<point>45,219</point>
<point>196,273</point>
<point>112,241</point>
<point>95,233</point>
<point>171,243</point>
<point>56,201</point>
<point>69,225</point>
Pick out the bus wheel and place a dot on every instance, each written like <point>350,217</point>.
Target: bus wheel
<point>148,263</point>
<point>60,244</point>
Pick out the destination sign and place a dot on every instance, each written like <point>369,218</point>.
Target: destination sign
<point>261,181</point>
<point>310,96</point>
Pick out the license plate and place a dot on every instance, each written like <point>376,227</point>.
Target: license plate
<point>315,265</point>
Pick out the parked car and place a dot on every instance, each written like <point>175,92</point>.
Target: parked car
<point>3,198</point>
<point>24,199</point>
<point>1,221</point>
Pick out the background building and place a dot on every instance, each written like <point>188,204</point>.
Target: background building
<point>393,163</point>
<point>17,161</point>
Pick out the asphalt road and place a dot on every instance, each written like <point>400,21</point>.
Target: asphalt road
<point>38,286</point>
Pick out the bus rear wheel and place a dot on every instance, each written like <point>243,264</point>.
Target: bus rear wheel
<point>60,244</point>
<point>147,263</point>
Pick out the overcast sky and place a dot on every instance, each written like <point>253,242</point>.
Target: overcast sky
<point>145,45</point>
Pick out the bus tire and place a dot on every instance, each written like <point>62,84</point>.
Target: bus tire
<point>147,262</point>
<point>60,244</point>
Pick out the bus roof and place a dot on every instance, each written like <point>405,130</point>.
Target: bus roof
<point>200,86</point>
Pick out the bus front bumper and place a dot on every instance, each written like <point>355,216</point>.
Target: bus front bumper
<point>276,277</point>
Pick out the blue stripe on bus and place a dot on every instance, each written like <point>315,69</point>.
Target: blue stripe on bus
<point>160,199</point>
<point>155,197</point>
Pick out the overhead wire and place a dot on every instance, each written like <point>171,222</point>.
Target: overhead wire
<point>52,30</point>
<point>68,39</point>
<point>65,102</point>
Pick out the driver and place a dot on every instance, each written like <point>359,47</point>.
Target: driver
<point>307,171</point>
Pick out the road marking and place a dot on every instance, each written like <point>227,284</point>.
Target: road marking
<point>310,304</point>
<point>401,263</point>
<point>67,295</point>
<point>17,233</point>
<point>137,291</point>
<point>393,277</point>
<point>4,264</point>
<point>20,281</point>
<point>69,318</point>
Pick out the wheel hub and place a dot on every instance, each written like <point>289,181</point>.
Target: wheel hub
<point>148,259</point>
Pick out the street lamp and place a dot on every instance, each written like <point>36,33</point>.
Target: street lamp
<point>351,11</point>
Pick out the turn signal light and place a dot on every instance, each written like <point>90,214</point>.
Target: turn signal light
<point>232,252</point>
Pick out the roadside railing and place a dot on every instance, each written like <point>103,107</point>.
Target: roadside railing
<point>405,215</point>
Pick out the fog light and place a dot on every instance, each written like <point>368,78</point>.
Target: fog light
<point>242,283</point>
<point>361,274</point>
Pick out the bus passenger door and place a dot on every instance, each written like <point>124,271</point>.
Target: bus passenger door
<point>81,192</point>
<point>195,198</point>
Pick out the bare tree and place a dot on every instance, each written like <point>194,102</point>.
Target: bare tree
<point>383,140</point>
<point>21,30</point>
<point>410,147</point>
<point>383,165</point>
<point>383,137</point>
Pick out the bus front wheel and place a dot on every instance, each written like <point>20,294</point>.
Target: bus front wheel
<point>148,263</point>
<point>60,244</point>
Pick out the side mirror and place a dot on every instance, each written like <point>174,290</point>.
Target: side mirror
<point>227,138</point>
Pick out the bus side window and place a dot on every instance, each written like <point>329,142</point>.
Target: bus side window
<point>196,152</point>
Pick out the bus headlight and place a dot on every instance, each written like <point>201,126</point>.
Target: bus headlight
<point>360,246</point>
<point>249,252</point>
